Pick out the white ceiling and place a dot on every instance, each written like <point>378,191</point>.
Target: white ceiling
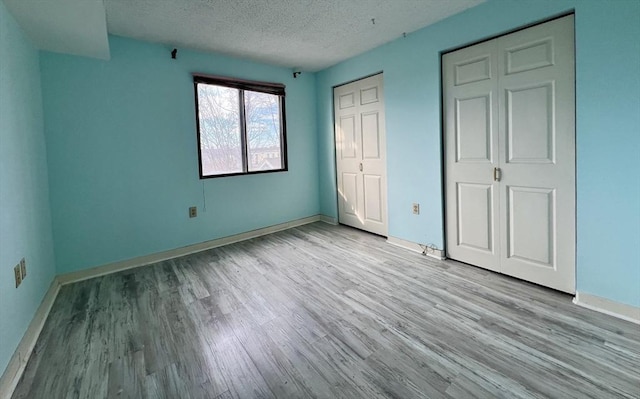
<point>306,34</point>
<point>76,27</point>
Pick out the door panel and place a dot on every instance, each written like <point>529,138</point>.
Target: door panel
<point>473,70</point>
<point>475,217</point>
<point>510,104</point>
<point>530,55</point>
<point>348,138</point>
<point>361,154</point>
<point>473,129</point>
<point>530,124</point>
<point>373,198</point>
<point>370,94</point>
<point>350,193</point>
<point>531,225</point>
<point>370,135</point>
<point>347,100</point>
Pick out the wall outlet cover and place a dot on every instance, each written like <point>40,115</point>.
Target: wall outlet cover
<point>193,212</point>
<point>416,209</point>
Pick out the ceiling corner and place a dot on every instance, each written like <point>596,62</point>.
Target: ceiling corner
<point>77,27</point>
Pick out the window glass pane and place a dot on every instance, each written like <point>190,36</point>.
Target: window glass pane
<point>219,118</point>
<point>264,150</point>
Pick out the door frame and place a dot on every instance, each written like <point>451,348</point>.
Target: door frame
<point>443,132</point>
<point>335,149</point>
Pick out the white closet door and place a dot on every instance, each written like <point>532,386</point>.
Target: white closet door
<point>361,154</point>
<point>510,154</point>
<point>537,152</point>
<point>471,111</point>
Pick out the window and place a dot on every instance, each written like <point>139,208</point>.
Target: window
<point>241,126</point>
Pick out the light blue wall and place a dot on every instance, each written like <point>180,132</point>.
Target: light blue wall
<point>608,141</point>
<point>25,222</point>
<point>608,129</point>
<point>123,160</point>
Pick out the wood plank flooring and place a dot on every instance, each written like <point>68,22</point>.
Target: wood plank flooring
<point>325,311</point>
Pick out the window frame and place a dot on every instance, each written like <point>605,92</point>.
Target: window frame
<point>242,85</point>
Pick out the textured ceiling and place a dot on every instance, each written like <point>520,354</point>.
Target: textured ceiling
<point>307,34</point>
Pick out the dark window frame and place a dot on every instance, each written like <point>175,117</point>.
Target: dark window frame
<point>277,89</point>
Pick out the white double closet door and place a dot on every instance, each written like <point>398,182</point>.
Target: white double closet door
<point>361,154</point>
<point>510,154</point>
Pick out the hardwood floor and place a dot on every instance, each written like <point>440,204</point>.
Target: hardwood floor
<point>325,311</point>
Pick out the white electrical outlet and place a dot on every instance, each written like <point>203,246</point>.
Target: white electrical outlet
<point>416,209</point>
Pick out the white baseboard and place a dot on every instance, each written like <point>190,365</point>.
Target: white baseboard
<point>607,306</point>
<point>18,361</point>
<point>415,247</point>
<point>86,274</point>
<point>328,220</point>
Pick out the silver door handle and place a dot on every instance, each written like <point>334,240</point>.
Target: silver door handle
<point>360,166</point>
<point>497,174</point>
